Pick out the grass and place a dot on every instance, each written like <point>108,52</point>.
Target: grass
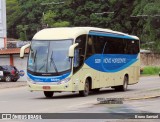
<point>151,70</point>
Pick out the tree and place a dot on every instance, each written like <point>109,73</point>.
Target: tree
<point>22,32</point>
<point>39,13</point>
<point>149,23</point>
<point>13,17</point>
<point>32,12</point>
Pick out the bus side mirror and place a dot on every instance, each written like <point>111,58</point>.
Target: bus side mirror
<point>71,50</point>
<point>23,49</point>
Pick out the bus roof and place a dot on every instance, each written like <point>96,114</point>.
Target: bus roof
<point>71,33</point>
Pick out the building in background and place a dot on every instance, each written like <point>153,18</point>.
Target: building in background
<point>9,52</point>
<point>11,57</point>
<point>3,27</point>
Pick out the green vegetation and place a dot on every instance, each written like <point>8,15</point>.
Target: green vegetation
<point>136,17</point>
<point>151,70</point>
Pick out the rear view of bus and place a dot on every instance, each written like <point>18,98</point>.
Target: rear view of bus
<point>81,60</point>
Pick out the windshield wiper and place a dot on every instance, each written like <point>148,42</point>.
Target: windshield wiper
<point>52,61</point>
<point>35,58</point>
<point>43,64</point>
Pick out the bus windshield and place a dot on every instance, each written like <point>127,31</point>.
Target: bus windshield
<point>49,56</point>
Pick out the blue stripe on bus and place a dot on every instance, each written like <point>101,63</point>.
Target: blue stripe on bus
<point>48,78</point>
<point>111,35</point>
<point>111,62</point>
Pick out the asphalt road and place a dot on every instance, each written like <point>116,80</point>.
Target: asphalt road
<point>20,100</point>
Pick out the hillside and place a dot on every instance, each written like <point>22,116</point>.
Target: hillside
<point>136,17</point>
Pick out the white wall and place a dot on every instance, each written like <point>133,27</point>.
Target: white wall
<point>1,42</point>
<point>4,60</point>
<point>21,64</point>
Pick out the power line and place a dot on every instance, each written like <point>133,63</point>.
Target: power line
<point>55,3</point>
<point>156,15</point>
<point>104,13</point>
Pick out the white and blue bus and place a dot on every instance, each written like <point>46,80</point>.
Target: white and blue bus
<point>82,59</point>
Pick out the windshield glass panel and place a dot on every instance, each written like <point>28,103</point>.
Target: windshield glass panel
<point>49,56</point>
<point>38,55</point>
<point>58,56</point>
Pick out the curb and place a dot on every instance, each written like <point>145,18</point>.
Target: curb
<point>141,98</point>
<point>8,85</point>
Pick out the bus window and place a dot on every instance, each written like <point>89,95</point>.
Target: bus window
<point>81,40</point>
<point>76,58</point>
<point>90,47</point>
<point>80,52</point>
<point>114,46</point>
<point>99,44</point>
<point>132,46</point>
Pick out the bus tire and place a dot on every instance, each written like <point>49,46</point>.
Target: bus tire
<point>124,86</point>
<point>85,92</point>
<point>48,94</point>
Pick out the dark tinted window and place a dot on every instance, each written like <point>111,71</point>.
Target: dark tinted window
<point>4,67</point>
<point>81,40</point>
<point>132,46</point>
<point>121,46</point>
<point>110,45</point>
<point>90,46</point>
<point>10,68</point>
<point>99,44</point>
<point>1,68</point>
<point>81,48</point>
<point>95,45</point>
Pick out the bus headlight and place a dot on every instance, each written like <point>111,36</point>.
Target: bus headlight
<point>64,81</point>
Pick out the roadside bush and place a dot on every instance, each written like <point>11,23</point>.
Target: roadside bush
<point>151,70</point>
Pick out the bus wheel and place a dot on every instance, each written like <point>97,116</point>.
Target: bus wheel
<point>48,94</point>
<point>124,86</point>
<point>85,92</point>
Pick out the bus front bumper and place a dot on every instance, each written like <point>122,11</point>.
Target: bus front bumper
<point>49,87</point>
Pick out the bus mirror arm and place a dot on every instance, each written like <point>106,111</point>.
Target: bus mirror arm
<point>22,50</point>
<point>71,50</point>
